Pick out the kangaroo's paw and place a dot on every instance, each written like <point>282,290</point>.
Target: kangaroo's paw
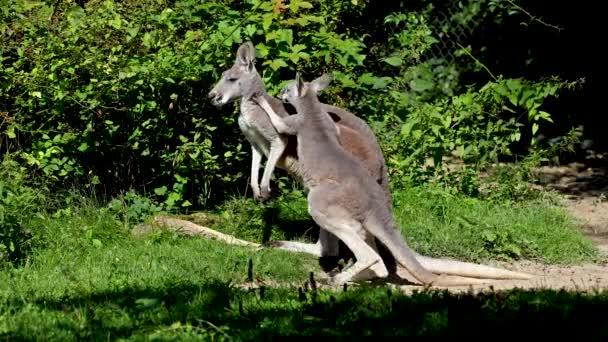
<point>264,194</point>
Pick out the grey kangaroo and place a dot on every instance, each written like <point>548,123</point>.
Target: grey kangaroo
<point>242,82</point>
<point>344,200</point>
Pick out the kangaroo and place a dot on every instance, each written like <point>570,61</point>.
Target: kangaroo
<point>242,82</point>
<point>346,202</point>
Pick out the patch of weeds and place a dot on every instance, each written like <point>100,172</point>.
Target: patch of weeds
<point>134,208</point>
<point>440,222</point>
<point>20,200</point>
<point>80,226</point>
<point>284,216</point>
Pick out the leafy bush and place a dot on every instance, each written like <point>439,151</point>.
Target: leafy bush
<point>112,93</point>
<point>19,203</point>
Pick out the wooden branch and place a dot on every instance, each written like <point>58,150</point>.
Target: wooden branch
<point>534,18</point>
<point>188,228</point>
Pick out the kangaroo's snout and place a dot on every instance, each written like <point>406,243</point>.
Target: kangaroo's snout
<point>215,98</point>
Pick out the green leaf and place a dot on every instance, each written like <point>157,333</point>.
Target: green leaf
<point>544,115</point>
<point>278,63</point>
<point>407,128</point>
<point>250,30</point>
<point>420,84</point>
<point>267,21</point>
<point>534,128</point>
<point>147,302</point>
<point>394,60</point>
<point>10,132</point>
<point>305,4</point>
<point>161,191</point>
<point>83,147</point>
<point>132,32</point>
<point>116,22</point>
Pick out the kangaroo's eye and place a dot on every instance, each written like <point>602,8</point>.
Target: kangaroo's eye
<point>232,79</point>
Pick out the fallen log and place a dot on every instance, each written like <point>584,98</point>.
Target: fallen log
<point>192,229</point>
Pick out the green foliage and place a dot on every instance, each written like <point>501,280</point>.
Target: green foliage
<point>111,94</point>
<point>444,222</point>
<point>79,227</point>
<point>477,126</point>
<point>133,208</point>
<point>20,201</point>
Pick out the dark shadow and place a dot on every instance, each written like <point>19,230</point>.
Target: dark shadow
<point>585,178</point>
<point>262,314</point>
<point>291,228</point>
<point>295,229</point>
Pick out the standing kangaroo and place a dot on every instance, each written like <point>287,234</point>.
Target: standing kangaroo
<point>345,201</point>
<point>243,82</point>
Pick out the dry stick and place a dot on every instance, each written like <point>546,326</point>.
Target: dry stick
<point>189,228</point>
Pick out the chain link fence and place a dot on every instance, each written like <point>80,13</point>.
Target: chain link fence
<point>450,28</point>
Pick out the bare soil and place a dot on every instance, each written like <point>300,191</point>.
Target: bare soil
<point>585,189</point>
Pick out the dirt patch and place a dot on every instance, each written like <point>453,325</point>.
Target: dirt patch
<point>592,217</point>
<point>585,189</point>
<point>582,278</point>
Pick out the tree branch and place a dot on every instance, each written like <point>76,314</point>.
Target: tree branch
<point>188,228</point>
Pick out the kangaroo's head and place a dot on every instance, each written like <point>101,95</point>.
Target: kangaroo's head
<point>240,81</point>
<point>298,88</point>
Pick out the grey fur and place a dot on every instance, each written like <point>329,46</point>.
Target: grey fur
<point>343,199</point>
<point>354,134</point>
<point>242,82</point>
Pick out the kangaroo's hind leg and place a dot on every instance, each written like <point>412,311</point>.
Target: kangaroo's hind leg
<point>339,222</point>
<point>326,246</point>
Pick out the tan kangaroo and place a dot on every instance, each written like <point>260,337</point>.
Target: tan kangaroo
<point>345,201</point>
<point>242,82</point>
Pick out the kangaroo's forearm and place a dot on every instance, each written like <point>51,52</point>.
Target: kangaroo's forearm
<point>280,124</point>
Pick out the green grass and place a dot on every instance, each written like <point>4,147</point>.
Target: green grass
<point>435,223</point>
<point>440,224</point>
<point>89,278</point>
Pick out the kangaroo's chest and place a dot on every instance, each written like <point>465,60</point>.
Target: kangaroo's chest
<point>253,134</point>
<point>256,126</point>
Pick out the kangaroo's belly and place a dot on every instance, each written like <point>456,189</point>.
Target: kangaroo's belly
<point>258,130</point>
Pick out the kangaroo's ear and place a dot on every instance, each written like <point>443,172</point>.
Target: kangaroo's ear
<point>245,55</point>
<point>299,84</point>
<point>321,82</point>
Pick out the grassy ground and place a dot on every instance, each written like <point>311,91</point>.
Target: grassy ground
<point>88,278</point>
<point>434,222</point>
